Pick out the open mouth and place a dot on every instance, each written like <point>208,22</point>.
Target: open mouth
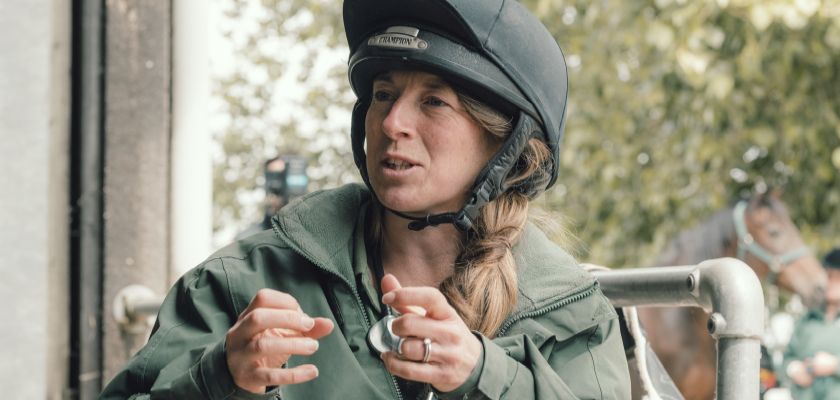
<point>397,165</point>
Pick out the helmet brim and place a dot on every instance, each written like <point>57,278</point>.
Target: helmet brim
<point>477,76</point>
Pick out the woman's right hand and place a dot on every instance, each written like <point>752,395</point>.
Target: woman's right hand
<point>824,364</point>
<point>798,373</point>
<point>270,330</point>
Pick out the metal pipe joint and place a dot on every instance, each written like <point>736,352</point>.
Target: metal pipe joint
<point>726,288</point>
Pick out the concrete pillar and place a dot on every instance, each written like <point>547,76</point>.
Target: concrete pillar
<point>137,167</point>
<point>34,186</point>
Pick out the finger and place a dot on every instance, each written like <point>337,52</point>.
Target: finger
<point>268,345</point>
<point>390,283</point>
<point>323,327</point>
<point>413,349</point>
<point>412,370</point>
<point>285,376</point>
<point>410,325</point>
<point>261,319</point>
<point>269,298</point>
<point>429,298</point>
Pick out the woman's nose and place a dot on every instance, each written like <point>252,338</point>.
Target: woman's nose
<point>400,120</point>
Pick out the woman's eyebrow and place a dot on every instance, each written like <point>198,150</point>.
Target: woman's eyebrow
<point>384,77</point>
<point>435,84</point>
<point>436,87</point>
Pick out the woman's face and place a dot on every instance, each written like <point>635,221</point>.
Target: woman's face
<point>423,150</point>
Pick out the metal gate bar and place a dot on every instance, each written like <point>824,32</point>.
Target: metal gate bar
<point>725,287</point>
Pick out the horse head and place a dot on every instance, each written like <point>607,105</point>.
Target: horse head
<point>770,243</point>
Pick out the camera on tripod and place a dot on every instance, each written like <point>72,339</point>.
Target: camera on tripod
<point>291,181</point>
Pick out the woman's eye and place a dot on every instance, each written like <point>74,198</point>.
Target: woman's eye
<point>381,95</point>
<point>436,102</point>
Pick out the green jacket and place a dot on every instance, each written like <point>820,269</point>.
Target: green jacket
<point>562,341</point>
<point>813,334</point>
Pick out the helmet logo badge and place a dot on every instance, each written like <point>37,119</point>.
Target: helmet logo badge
<point>399,37</point>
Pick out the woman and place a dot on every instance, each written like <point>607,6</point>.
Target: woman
<point>428,282</point>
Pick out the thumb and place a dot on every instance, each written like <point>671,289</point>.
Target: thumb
<point>390,283</point>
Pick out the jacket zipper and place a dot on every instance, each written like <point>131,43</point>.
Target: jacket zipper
<point>359,302</point>
<point>551,307</point>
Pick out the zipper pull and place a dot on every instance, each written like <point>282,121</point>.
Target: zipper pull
<point>430,394</point>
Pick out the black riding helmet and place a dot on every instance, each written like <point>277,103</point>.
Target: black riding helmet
<point>493,50</point>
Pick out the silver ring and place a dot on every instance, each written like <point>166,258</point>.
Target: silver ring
<point>399,347</point>
<point>427,347</point>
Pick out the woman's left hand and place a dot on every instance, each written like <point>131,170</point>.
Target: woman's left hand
<point>454,348</point>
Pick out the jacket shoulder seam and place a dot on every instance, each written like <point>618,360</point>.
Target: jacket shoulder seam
<point>231,297</point>
<point>246,255</point>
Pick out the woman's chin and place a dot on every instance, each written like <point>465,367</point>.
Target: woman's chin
<point>405,207</point>
<point>414,202</point>
<point>406,203</point>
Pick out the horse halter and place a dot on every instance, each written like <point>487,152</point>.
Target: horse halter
<point>747,244</point>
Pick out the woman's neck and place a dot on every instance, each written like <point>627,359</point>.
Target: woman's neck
<point>419,258</point>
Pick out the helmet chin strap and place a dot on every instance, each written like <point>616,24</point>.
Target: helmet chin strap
<point>419,223</point>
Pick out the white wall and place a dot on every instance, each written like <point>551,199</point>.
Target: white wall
<point>192,181</point>
<point>34,136</point>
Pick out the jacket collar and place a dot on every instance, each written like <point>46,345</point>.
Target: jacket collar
<point>321,227</point>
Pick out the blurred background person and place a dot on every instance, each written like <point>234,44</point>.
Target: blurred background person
<point>811,359</point>
<point>285,180</point>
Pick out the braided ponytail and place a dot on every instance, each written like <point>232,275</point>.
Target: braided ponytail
<point>484,286</point>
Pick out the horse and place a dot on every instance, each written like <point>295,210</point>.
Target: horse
<point>760,233</point>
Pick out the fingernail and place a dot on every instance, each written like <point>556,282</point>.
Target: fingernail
<point>307,322</point>
<point>388,298</point>
<point>315,345</point>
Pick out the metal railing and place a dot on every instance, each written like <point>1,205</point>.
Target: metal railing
<point>726,288</point>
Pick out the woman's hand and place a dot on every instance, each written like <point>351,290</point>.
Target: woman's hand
<point>426,314</point>
<point>824,364</point>
<point>267,333</point>
<point>798,373</point>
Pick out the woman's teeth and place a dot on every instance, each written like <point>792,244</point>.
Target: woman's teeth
<point>397,164</point>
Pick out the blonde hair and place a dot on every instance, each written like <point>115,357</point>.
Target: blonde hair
<point>483,288</point>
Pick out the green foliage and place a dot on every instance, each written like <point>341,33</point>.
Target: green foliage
<point>676,109</point>
<point>281,44</point>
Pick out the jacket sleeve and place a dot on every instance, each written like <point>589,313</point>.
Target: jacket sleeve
<point>544,361</point>
<point>185,355</point>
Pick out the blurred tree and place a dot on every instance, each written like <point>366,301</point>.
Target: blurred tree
<point>286,94</point>
<point>677,108</point>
